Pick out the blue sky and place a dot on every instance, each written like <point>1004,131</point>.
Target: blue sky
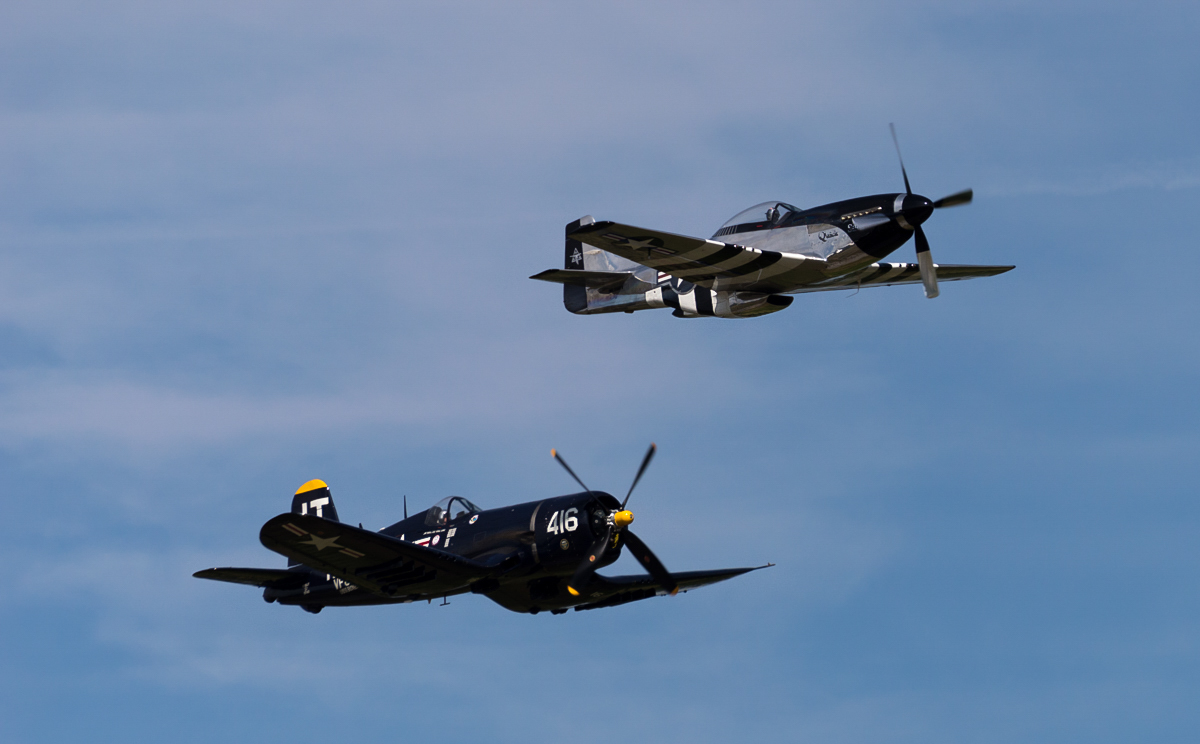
<point>245,247</point>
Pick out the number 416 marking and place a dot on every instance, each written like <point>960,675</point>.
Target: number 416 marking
<point>563,521</point>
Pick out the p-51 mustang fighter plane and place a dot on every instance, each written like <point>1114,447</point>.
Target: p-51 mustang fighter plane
<point>537,556</point>
<point>756,259</point>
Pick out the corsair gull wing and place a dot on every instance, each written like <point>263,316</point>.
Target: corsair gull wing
<point>274,578</point>
<point>381,564</point>
<point>610,591</point>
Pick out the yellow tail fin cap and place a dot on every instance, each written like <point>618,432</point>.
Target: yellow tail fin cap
<point>312,485</point>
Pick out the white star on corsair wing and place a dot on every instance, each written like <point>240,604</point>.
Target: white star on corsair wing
<point>320,543</point>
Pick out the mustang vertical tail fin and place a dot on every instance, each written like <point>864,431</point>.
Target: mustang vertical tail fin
<point>315,499</point>
<point>596,280</point>
<point>575,296</point>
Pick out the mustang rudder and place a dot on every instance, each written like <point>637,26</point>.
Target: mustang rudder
<point>574,295</point>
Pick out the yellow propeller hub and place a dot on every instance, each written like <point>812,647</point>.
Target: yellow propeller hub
<point>623,518</point>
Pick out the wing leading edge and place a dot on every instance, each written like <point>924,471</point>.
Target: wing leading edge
<point>619,590</point>
<point>267,578</point>
<point>889,274</point>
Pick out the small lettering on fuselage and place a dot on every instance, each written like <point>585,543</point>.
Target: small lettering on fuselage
<point>340,585</point>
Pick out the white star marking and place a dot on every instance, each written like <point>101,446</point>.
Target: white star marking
<point>644,245</point>
<point>576,257</point>
<point>320,543</point>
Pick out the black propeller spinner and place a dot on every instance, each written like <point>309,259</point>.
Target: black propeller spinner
<point>916,210</point>
<point>616,529</point>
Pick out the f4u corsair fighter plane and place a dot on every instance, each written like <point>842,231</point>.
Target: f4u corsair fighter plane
<point>537,556</point>
<point>756,260</point>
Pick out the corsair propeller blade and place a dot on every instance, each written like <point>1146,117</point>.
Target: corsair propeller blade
<point>650,562</point>
<point>618,523</point>
<point>556,456</point>
<point>645,463</point>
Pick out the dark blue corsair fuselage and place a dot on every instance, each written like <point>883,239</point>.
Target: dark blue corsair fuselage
<point>540,555</point>
<point>535,545</point>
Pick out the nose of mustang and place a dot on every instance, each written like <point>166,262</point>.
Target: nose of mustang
<point>916,209</point>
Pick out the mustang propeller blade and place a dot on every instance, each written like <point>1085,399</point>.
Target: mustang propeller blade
<point>925,264</point>
<point>962,197</point>
<point>903,172</point>
<point>921,213</point>
<point>617,524</point>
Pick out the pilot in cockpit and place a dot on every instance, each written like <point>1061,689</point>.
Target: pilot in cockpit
<point>447,510</point>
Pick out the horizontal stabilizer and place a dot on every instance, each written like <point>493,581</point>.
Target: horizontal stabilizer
<point>274,578</point>
<point>594,279</point>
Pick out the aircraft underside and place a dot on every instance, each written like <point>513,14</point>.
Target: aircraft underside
<point>526,595</point>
